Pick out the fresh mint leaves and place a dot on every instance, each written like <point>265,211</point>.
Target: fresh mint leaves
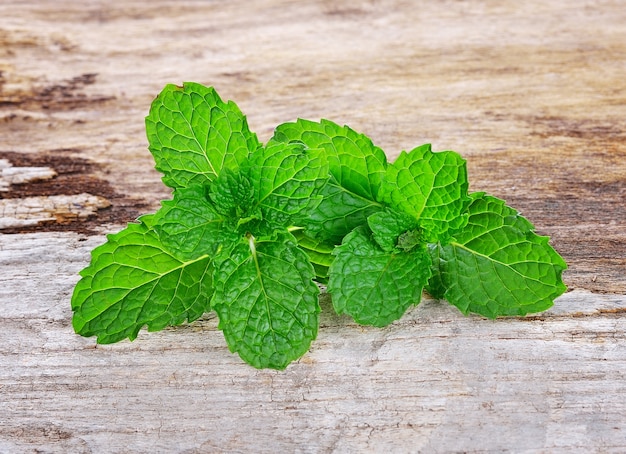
<point>251,228</point>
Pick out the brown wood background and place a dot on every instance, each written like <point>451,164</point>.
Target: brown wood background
<point>532,94</point>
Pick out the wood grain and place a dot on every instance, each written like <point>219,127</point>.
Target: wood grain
<point>533,95</point>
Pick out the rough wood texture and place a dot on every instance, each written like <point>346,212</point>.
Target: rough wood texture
<point>533,94</point>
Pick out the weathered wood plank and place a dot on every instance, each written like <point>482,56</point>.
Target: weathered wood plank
<point>532,94</point>
<point>434,381</point>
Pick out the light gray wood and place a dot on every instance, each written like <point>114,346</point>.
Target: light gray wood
<point>532,94</point>
<point>434,381</point>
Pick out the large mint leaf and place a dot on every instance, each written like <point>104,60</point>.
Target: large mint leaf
<point>267,301</point>
<point>193,134</point>
<point>432,187</point>
<point>355,162</point>
<point>375,287</point>
<point>286,179</point>
<point>133,281</point>
<point>496,265</point>
<point>189,226</point>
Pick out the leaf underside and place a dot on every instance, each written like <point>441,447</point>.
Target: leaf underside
<point>319,253</point>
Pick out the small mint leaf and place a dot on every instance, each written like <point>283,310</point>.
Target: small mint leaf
<point>232,193</point>
<point>267,301</point>
<point>193,134</point>
<point>375,287</point>
<point>392,229</point>
<point>496,265</point>
<point>432,187</point>
<point>133,281</point>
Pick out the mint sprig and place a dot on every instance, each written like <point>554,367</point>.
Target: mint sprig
<point>250,228</point>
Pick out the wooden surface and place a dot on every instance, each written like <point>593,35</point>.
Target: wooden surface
<point>533,94</point>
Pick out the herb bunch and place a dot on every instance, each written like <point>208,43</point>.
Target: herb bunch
<point>251,228</point>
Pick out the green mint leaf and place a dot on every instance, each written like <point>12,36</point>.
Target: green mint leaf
<point>496,265</point>
<point>432,187</point>
<point>267,301</point>
<point>250,227</point>
<point>286,179</point>
<point>376,287</point>
<point>193,134</point>
<point>338,213</point>
<point>393,230</point>
<point>356,168</point>
<point>133,281</point>
<point>189,226</point>
<point>355,162</point>
<point>435,286</point>
<point>233,195</point>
